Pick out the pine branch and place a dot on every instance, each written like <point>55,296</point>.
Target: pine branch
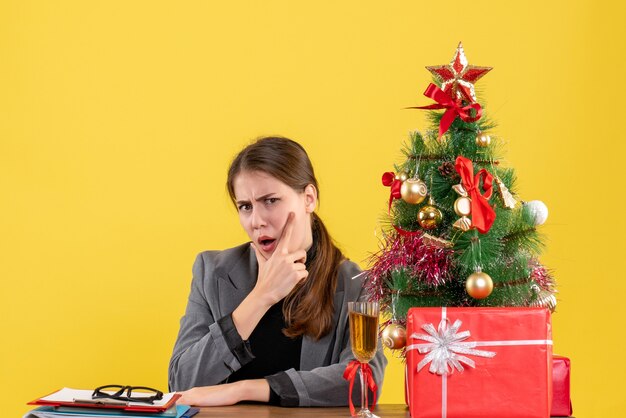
<point>518,234</point>
<point>443,158</point>
<point>516,282</point>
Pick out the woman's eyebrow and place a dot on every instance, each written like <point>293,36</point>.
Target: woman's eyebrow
<point>258,199</point>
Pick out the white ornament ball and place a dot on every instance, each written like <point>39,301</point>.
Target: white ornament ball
<point>539,211</point>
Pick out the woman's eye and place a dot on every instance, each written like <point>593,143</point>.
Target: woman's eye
<point>245,207</point>
<point>271,200</point>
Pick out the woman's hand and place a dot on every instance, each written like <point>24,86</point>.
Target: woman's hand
<point>278,275</point>
<point>226,394</point>
<point>282,271</point>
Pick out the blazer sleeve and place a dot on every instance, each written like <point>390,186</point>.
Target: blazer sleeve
<point>325,385</point>
<point>208,349</point>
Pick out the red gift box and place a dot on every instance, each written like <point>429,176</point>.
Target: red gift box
<point>561,401</point>
<point>479,362</point>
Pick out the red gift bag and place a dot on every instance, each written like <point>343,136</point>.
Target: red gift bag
<point>561,400</point>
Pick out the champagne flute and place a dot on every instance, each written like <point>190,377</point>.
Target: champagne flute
<point>364,342</point>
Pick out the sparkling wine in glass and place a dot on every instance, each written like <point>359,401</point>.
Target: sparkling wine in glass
<point>364,342</point>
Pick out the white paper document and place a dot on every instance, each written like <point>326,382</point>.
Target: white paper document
<point>75,395</point>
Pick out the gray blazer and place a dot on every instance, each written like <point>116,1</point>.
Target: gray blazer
<point>208,348</point>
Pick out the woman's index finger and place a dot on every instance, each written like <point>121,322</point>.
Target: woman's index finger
<point>285,238</point>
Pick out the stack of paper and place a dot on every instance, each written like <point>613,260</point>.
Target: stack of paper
<point>176,411</point>
<point>77,403</point>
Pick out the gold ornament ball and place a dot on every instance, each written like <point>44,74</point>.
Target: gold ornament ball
<point>429,217</point>
<point>413,191</point>
<point>483,140</point>
<point>479,285</point>
<point>402,176</point>
<point>394,336</point>
<point>463,206</point>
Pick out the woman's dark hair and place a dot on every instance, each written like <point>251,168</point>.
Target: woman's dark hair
<point>308,308</point>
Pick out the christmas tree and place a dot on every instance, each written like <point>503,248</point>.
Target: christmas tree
<point>456,233</point>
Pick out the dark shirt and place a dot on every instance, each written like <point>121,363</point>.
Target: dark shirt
<point>273,351</point>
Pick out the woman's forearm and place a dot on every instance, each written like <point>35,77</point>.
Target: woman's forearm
<point>255,390</point>
<point>248,314</point>
<point>227,394</point>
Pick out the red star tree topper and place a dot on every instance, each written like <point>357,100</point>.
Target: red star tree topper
<point>459,73</point>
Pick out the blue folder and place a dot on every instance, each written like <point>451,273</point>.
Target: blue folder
<point>179,411</point>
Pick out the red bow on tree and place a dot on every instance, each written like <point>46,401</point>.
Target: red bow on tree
<point>453,107</point>
<point>483,214</point>
<point>368,378</point>
<point>389,179</point>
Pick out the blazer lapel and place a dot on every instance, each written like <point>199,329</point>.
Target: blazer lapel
<point>243,273</point>
<point>237,279</point>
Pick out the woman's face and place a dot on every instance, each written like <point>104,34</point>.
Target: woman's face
<point>264,202</point>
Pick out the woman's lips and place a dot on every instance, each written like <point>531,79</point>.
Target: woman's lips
<point>268,245</point>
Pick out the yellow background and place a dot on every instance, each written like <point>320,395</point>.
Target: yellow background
<point>118,120</point>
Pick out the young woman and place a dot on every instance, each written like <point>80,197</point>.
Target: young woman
<point>267,321</point>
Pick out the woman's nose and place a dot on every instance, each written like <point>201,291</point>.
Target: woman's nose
<point>257,219</point>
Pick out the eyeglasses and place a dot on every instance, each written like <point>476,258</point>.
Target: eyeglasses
<point>128,393</point>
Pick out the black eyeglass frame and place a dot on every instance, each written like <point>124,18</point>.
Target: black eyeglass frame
<point>99,393</point>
